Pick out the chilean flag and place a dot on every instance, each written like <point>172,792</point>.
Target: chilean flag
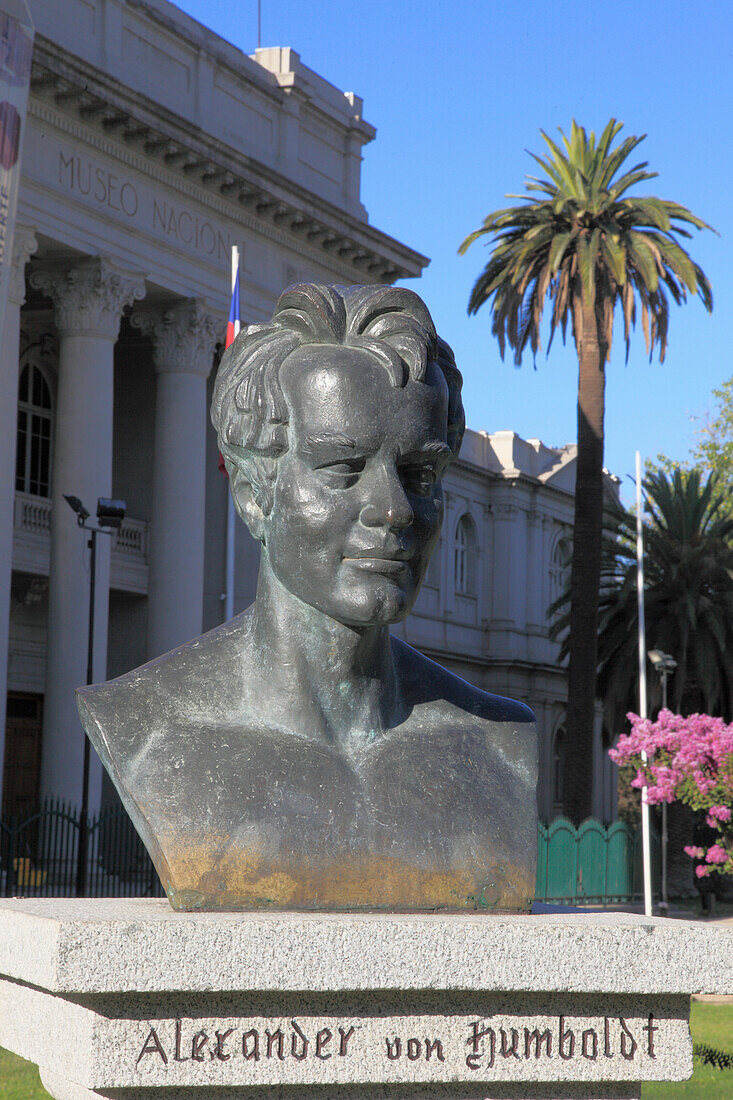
<point>233,324</point>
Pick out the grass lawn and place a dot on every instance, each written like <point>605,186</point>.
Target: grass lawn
<point>19,1079</point>
<point>711,1024</point>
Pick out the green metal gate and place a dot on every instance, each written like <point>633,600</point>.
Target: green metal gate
<point>593,863</point>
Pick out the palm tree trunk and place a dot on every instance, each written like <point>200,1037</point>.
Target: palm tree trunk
<point>586,566</point>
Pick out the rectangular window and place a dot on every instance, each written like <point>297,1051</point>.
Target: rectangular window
<point>22,443</point>
<point>40,454</point>
<point>460,570</point>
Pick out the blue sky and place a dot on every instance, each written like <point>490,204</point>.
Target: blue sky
<point>458,91</point>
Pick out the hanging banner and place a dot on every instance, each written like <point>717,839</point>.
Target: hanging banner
<point>16,48</point>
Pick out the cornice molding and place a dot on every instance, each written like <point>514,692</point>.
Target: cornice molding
<point>185,189</point>
<point>76,99</point>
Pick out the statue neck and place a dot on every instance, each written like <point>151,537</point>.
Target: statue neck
<point>331,680</point>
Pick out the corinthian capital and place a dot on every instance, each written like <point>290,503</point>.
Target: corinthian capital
<point>183,336</point>
<point>24,245</point>
<point>89,298</point>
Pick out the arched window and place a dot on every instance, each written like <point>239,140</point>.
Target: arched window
<point>558,766</point>
<point>33,443</point>
<point>464,557</point>
<point>559,567</point>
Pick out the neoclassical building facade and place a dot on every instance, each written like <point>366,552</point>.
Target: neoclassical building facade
<point>152,147</point>
<point>502,560</point>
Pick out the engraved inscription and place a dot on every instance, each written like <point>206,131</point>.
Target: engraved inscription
<point>415,1049</point>
<point>179,224</point>
<point>255,1043</point>
<point>434,1047</point>
<point>487,1043</point>
<point>98,183</point>
<point>108,190</point>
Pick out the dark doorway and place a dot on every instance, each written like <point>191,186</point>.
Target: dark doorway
<point>22,769</point>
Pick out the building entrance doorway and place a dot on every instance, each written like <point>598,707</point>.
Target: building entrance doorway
<point>22,769</point>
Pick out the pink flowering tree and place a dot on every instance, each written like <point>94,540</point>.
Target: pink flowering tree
<point>688,760</point>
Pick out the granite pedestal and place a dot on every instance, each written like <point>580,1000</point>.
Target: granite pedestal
<point>127,1000</point>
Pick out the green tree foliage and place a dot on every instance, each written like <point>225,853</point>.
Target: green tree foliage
<point>688,598</point>
<point>713,452</point>
<point>580,240</point>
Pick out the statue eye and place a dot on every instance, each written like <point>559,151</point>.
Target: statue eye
<point>354,467</point>
<point>420,479</point>
<point>343,473</point>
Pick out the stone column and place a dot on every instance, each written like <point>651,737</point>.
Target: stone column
<point>88,302</point>
<point>24,245</point>
<point>183,339</point>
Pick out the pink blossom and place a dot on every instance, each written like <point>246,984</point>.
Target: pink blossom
<point>687,759</point>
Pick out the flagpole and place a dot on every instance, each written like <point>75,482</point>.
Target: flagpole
<point>231,514</point>
<point>645,844</point>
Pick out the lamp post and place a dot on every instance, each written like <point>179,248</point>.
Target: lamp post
<point>110,514</point>
<point>664,665</point>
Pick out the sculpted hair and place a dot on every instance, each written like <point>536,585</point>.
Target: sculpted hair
<point>248,408</point>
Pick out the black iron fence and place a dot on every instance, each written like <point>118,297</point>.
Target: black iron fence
<point>39,855</point>
<point>39,858</point>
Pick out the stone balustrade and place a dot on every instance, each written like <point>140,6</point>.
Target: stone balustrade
<point>32,542</point>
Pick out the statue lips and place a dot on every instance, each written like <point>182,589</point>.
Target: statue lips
<point>379,559</point>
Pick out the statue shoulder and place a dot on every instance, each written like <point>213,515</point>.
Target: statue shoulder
<point>428,682</point>
<point>165,691</point>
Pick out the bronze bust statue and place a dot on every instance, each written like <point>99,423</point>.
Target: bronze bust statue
<point>299,756</point>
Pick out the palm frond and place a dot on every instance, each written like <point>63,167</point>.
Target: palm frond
<point>577,221</point>
<point>688,594</point>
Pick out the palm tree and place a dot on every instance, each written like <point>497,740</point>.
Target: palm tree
<point>688,596</point>
<point>589,247</point>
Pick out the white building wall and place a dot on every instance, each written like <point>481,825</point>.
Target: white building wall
<point>519,493</point>
<point>155,146</point>
<point>152,147</point>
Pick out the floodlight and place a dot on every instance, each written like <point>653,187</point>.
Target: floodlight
<point>110,513</point>
<point>76,505</point>
<point>662,662</point>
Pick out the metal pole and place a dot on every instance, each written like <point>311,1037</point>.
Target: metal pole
<point>664,902</point>
<point>645,845</point>
<point>229,568</point>
<point>92,595</point>
<point>81,866</point>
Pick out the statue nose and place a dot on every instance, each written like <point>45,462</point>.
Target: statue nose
<point>387,504</point>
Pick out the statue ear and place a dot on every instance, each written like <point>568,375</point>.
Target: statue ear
<point>245,502</point>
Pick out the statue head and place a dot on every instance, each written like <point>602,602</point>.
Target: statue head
<point>336,420</point>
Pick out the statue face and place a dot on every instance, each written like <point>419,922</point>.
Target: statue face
<point>357,502</point>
